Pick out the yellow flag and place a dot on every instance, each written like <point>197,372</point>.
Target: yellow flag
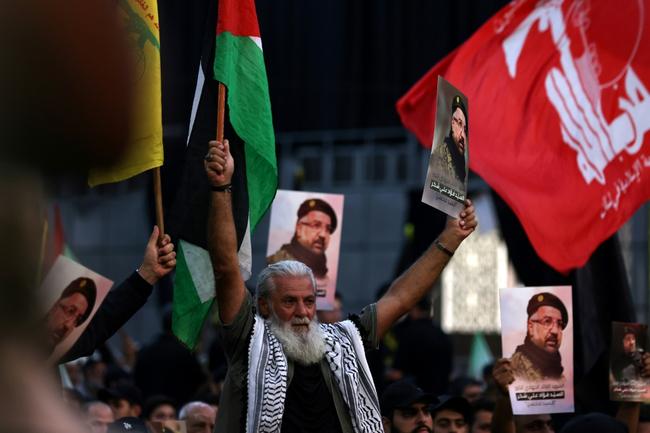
<point>146,148</point>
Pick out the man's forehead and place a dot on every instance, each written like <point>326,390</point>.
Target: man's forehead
<point>546,310</point>
<point>416,405</point>
<point>316,215</point>
<point>459,113</point>
<point>449,414</point>
<point>98,409</point>
<point>295,286</point>
<point>76,299</point>
<point>202,413</point>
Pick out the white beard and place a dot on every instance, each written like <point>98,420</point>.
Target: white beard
<point>303,347</point>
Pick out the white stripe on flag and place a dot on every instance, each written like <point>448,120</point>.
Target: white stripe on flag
<point>200,80</point>
<point>245,253</point>
<point>200,267</point>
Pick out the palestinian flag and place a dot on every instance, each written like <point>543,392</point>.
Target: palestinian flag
<point>193,292</point>
<point>237,62</point>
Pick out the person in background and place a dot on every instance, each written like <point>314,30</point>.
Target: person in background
<point>424,351</point>
<point>98,416</point>
<point>405,408</point>
<point>481,421</point>
<point>123,301</point>
<point>451,415</point>
<point>159,408</point>
<point>468,388</point>
<point>125,400</point>
<point>199,417</point>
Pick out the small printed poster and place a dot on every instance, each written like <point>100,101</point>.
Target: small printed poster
<point>445,187</point>
<point>629,343</point>
<point>71,294</point>
<point>306,226</point>
<point>537,336</point>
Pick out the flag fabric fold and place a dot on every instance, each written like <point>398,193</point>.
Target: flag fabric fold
<point>480,355</point>
<point>559,121</point>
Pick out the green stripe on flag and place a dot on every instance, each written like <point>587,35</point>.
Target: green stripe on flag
<point>239,65</point>
<point>194,292</point>
<point>480,355</point>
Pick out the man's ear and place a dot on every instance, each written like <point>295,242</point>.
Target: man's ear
<point>386,422</point>
<point>264,307</point>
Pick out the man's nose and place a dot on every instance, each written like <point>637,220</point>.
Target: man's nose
<point>301,309</point>
<point>422,416</point>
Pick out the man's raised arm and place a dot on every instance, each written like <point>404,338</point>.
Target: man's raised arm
<point>413,284</point>
<point>222,237</point>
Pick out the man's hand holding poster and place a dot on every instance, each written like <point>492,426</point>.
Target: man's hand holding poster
<point>446,184</point>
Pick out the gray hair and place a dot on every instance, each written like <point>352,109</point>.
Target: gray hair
<point>284,268</point>
<point>191,407</point>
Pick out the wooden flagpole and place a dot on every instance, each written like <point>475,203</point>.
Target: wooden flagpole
<point>157,191</point>
<point>221,103</point>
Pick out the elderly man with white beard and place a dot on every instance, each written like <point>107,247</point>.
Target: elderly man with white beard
<point>287,372</point>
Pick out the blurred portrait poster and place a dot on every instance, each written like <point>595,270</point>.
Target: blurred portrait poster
<point>445,187</point>
<point>71,294</point>
<point>306,226</point>
<point>537,336</point>
<point>629,343</point>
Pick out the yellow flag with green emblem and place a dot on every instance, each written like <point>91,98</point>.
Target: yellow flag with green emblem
<point>146,147</point>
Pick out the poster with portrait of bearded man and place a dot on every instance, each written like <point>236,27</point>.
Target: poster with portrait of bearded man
<point>306,226</point>
<point>445,187</point>
<point>626,363</point>
<point>537,336</point>
<point>70,295</point>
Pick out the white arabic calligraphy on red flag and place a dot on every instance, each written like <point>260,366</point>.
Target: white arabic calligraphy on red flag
<point>560,115</point>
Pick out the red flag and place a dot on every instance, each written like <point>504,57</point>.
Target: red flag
<point>560,115</point>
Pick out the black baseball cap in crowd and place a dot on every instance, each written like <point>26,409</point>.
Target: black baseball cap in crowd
<point>403,394</point>
<point>129,393</point>
<point>455,403</point>
<point>594,422</point>
<point>129,424</point>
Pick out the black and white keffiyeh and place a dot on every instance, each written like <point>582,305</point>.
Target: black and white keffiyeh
<point>345,356</point>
